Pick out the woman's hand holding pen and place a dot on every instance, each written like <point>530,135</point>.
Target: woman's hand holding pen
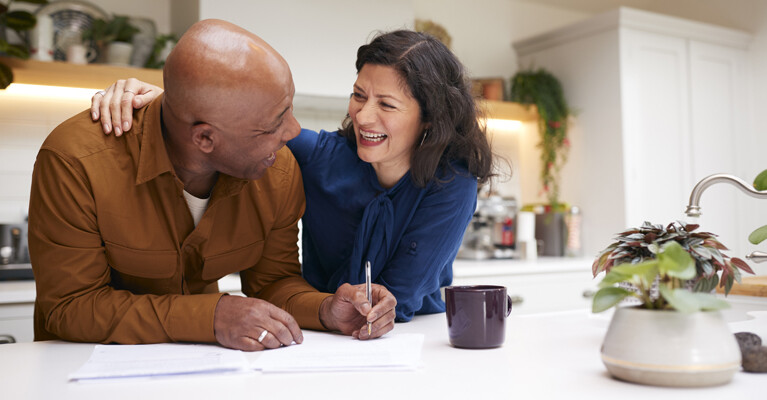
<point>348,311</point>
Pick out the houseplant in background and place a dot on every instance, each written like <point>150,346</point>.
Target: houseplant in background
<point>542,89</point>
<point>676,335</point>
<point>20,22</point>
<point>113,38</point>
<point>760,234</point>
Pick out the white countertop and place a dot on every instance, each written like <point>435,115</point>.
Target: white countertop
<point>24,291</point>
<point>546,356</point>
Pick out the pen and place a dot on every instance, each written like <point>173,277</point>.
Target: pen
<point>367,289</point>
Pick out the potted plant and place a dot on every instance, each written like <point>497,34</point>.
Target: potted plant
<point>675,334</point>
<point>542,89</point>
<point>760,234</point>
<point>113,38</point>
<point>20,22</point>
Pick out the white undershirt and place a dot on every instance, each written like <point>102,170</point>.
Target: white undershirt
<point>196,205</point>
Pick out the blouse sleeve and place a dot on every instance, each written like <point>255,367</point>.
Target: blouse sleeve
<point>303,146</point>
<point>422,262</point>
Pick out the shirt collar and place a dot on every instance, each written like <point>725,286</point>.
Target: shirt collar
<point>153,156</point>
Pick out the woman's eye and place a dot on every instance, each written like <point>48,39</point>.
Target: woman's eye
<point>386,105</point>
<point>357,96</point>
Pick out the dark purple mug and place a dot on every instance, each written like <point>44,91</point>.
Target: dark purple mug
<point>476,315</point>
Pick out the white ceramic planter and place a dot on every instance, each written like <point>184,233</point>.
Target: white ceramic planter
<point>669,348</point>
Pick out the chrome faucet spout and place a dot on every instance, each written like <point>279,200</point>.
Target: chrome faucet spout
<point>693,209</point>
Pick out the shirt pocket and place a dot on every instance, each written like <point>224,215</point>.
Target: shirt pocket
<point>223,264</point>
<point>152,264</point>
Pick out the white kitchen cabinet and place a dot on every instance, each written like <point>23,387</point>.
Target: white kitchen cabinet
<point>16,309</point>
<point>660,103</point>
<point>543,285</point>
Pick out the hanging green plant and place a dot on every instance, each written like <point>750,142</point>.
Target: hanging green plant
<point>541,88</point>
<point>20,22</point>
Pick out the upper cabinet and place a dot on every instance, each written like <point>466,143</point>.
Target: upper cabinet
<point>661,103</point>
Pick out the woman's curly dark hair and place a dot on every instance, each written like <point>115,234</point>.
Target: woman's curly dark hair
<point>438,82</point>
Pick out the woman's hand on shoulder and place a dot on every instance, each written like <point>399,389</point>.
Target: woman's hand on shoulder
<point>114,106</point>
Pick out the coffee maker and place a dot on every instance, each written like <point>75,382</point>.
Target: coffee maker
<point>492,231</point>
<point>14,252</point>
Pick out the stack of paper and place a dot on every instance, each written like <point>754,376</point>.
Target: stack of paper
<point>319,352</point>
<point>330,352</point>
<point>152,360</point>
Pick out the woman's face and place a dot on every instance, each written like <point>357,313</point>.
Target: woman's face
<point>386,118</point>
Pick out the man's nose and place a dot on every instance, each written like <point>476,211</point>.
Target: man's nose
<point>293,129</point>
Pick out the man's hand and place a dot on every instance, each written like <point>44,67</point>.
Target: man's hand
<point>348,311</point>
<point>240,321</point>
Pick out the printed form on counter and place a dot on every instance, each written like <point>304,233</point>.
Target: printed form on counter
<point>319,352</point>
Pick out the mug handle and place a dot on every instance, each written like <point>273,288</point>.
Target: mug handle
<point>508,303</point>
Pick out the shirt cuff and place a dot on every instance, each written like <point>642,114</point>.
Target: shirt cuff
<point>305,308</point>
<point>191,318</point>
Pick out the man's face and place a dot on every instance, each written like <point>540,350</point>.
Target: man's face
<point>258,125</point>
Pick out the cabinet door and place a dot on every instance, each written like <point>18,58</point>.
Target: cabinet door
<point>719,137</point>
<point>656,130</point>
<point>16,321</point>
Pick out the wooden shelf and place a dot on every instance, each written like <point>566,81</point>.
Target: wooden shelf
<point>99,76</point>
<point>93,76</point>
<point>509,110</point>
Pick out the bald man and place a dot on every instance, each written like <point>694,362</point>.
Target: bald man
<point>128,236</point>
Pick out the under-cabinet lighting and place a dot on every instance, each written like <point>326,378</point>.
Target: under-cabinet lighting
<point>58,92</point>
<point>503,124</point>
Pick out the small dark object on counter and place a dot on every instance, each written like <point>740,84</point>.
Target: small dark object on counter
<point>753,353</point>
<point>748,341</point>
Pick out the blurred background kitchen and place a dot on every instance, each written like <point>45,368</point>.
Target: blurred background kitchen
<point>660,100</point>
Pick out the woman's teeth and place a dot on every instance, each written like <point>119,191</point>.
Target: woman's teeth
<point>373,137</point>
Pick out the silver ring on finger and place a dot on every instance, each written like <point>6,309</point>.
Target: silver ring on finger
<point>101,92</point>
<point>262,335</point>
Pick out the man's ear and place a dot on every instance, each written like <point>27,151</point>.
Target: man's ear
<point>204,137</point>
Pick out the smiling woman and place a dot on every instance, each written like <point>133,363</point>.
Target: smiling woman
<point>397,185</point>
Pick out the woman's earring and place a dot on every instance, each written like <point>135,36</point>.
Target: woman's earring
<point>425,132</point>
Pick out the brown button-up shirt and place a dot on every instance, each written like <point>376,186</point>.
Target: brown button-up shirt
<point>115,252</point>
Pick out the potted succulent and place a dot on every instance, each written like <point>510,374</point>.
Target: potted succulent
<point>542,89</point>
<point>675,334</point>
<point>113,38</point>
<point>20,22</point>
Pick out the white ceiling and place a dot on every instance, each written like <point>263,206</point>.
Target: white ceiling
<point>747,15</point>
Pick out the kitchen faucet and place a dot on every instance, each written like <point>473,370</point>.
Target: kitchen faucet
<point>693,209</point>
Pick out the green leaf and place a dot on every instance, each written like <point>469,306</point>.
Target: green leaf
<point>15,50</point>
<point>760,182</point>
<point>706,284</point>
<point>680,299</point>
<point>20,20</point>
<point>644,272</point>
<point>709,302</point>
<point>608,297</point>
<point>676,262</point>
<point>758,235</point>
<point>6,76</point>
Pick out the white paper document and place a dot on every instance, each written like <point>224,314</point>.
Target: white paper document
<point>325,352</point>
<point>152,360</point>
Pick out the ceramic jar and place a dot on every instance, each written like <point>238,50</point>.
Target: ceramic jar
<point>669,348</point>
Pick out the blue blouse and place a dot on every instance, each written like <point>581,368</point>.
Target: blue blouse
<point>409,234</point>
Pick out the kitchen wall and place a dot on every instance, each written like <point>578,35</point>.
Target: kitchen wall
<point>319,39</point>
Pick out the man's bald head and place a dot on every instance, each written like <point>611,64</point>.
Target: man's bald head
<point>216,67</point>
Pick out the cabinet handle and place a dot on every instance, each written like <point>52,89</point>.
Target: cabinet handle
<point>7,339</point>
<point>588,293</point>
<point>517,299</point>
